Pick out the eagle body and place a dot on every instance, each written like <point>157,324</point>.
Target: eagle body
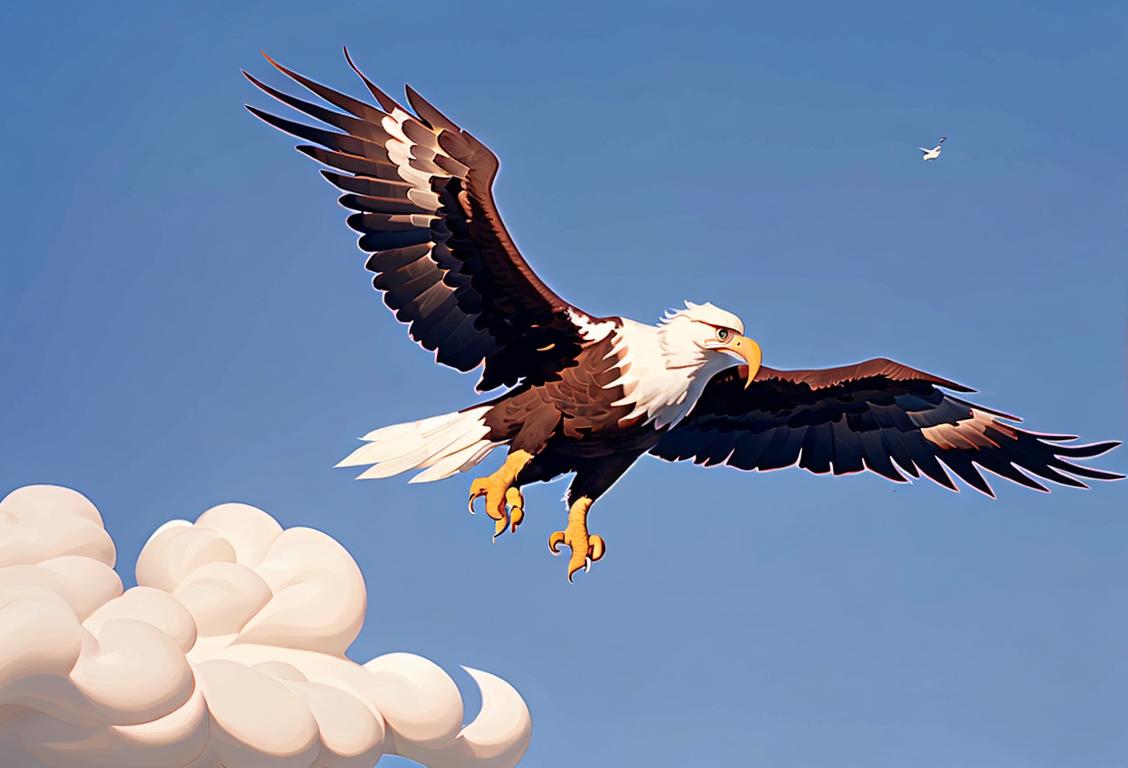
<point>579,421</point>
<point>625,386</point>
<point>624,390</point>
<point>588,395</point>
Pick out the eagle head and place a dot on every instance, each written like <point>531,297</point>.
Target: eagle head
<point>706,337</point>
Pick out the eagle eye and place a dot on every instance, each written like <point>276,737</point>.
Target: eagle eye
<point>723,334</point>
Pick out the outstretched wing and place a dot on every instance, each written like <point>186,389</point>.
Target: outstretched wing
<point>877,415</point>
<point>421,189</point>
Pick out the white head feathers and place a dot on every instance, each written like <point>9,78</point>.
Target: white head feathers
<point>666,367</point>
<point>707,313</point>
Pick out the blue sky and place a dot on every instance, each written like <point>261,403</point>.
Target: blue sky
<point>185,320</point>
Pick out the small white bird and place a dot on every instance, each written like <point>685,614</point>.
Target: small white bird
<point>932,154</point>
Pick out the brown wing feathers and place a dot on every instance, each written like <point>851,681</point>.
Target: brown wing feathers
<point>420,189</point>
<point>878,415</point>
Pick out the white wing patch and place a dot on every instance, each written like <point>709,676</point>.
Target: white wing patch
<point>590,330</point>
<point>400,150</point>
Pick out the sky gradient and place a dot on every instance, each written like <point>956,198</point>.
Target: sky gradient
<point>185,320</point>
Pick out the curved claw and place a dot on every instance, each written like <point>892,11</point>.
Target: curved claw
<point>495,498</point>
<point>596,548</point>
<point>470,504</point>
<point>499,527</point>
<point>515,500</point>
<point>554,542</point>
<point>576,565</point>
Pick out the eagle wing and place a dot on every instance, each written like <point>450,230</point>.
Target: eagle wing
<point>877,415</point>
<point>421,191</point>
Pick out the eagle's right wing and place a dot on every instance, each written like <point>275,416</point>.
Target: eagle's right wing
<point>421,189</point>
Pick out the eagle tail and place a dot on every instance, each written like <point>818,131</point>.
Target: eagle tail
<point>441,446</point>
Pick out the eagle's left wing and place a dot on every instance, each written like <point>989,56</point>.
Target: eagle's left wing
<point>877,415</point>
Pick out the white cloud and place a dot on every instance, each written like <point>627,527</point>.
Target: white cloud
<point>230,651</point>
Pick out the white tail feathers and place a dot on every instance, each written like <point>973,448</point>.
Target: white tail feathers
<point>441,445</point>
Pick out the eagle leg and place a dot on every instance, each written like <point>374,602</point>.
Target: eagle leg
<point>586,548</point>
<point>504,502</point>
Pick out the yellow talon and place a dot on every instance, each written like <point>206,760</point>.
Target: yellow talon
<point>504,502</point>
<point>515,500</point>
<point>586,548</point>
<point>492,490</point>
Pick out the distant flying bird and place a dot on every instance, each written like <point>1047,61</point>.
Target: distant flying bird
<point>932,154</point>
<point>591,395</point>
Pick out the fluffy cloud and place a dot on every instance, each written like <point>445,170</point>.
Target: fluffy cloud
<point>229,652</point>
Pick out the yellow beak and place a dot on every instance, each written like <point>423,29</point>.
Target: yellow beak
<point>748,351</point>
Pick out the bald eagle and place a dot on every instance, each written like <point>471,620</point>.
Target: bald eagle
<point>591,395</point>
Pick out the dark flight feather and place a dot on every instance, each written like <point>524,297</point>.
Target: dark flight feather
<point>869,415</point>
<point>422,191</point>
